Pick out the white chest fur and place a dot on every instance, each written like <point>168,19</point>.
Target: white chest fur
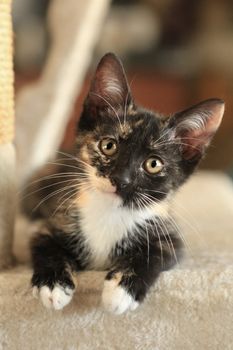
<point>104,222</point>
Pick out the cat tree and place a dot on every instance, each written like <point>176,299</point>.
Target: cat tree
<point>7,152</point>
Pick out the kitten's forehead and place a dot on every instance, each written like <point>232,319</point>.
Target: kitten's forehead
<point>134,125</point>
<point>142,127</point>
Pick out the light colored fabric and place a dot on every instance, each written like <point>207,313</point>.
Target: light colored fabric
<point>189,308</point>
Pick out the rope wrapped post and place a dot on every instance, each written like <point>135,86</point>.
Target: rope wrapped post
<point>7,152</point>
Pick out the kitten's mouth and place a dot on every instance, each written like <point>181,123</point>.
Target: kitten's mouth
<point>105,186</point>
<point>122,197</point>
<point>108,190</point>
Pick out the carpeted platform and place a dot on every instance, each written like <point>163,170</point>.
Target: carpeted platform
<point>191,307</point>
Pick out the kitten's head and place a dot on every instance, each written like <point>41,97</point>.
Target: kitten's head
<point>133,154</point>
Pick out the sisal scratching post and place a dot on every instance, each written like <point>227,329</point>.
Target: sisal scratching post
<point>7,153</point>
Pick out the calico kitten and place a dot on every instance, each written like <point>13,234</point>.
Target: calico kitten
<point>106,204</point>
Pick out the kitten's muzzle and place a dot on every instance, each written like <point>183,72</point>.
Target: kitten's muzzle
<point>122,181</point>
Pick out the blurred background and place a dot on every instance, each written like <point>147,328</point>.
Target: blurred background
<point>176,53</point>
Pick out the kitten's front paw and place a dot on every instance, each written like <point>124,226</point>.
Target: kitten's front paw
<point>116,299</point>
<point>55,298</point>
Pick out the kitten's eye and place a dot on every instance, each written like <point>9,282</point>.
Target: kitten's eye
<point>153,165</point>
<point>108,147</point>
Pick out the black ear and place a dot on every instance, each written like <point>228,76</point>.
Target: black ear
<point>109,88</point>
<point>195,127</point>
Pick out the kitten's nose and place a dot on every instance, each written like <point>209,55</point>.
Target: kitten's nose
<point>121,180</point>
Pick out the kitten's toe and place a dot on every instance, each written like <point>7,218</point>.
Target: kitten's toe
<point>55,298</point>
<point>116,299</point>
<point>35,292</point>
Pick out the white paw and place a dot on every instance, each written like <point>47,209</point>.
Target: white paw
<point>55,298</point>
<point>115,298</point>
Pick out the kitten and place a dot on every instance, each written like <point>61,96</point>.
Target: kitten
<point>106,204</point>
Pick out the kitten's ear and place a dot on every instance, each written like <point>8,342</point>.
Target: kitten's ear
<point>109,87</point>
<point>196,126</point>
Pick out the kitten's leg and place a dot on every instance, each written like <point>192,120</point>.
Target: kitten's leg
<point>52,278</point>
<point>127,284</point>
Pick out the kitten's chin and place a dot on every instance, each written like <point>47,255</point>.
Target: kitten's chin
<point>105,189</point>
<point>109,195</point>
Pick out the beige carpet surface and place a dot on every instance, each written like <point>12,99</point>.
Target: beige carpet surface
<point>190,307</point>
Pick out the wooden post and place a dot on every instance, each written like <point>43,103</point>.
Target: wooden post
<point>7,153</point>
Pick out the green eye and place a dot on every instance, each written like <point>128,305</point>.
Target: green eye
<point>108,146</point>
<point>153,165</point>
